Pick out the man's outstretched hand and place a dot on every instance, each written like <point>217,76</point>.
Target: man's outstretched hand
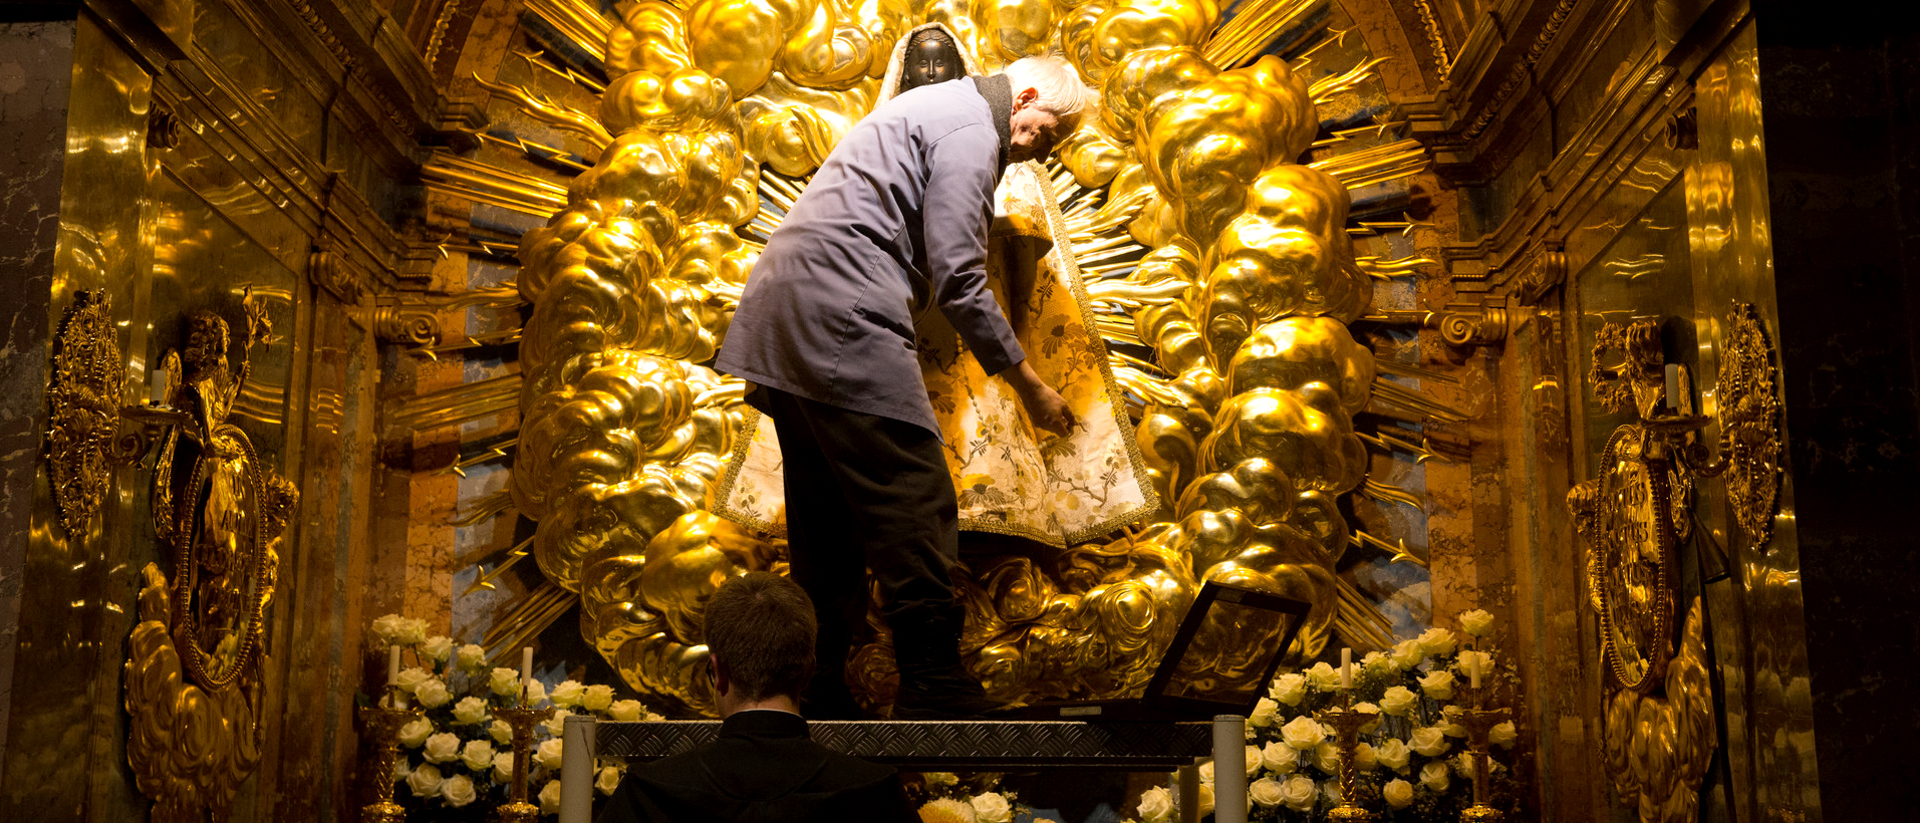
<point>1045,407</point>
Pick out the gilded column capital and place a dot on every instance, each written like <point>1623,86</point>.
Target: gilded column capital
<point>404,320</point>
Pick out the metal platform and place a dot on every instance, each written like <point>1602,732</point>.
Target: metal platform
<point>957,745</point>
<point>947,745</point>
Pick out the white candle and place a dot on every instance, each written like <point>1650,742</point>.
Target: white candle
<point>1473,670</point>
<point>393,677</point>
<point>159,386</point>
<point>526,671</point>
<point>1346,668</point>
<point>1673,386</point>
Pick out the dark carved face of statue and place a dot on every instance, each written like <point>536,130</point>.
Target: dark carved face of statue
<point>931,58</point>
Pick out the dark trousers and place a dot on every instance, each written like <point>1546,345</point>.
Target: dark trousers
<point>869,493</point>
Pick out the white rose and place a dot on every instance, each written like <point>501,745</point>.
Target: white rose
<point>1436,777</point>
<point>1393,754</point>
<point>411,678</point>
<point>1326,758</point>
<point>1264,714</point>
<point>501,732</point>
<point>1398,793</point>
<point>1323,677</point>
<point>1477,622</point>
<point>1206,800</point>
<point>1436,641</point>
<point>1156,806</point>
<point>471,657</point>
<point>557,724</point>
<point>433,694</point>
<point>1206,773</point>
<point>1289,689</point>
<point>504,682</point>
<point>437,648</point>
<point>1428,741</point>
<point>412,631</point>
<point>1468,659</point>
<point>548,754</point>
<point>1266,792</point>
<point>458,790</point>
<point>1437,684</point>
<point>536,692</point>
<point>1279,758</point>
<point>1365,758</point>
<point>597,698</point>
<point>1503,735</point>
<point>503,767</point>
<point>568,693</point>
<point>1253,760</point>
<point>415,733</point>
<point>1453,730</point>
<point>1399,701</point>
<point>1372,724</point>
<point>606,780</point>
<point>1302,733</point>
<point>425,781</point>
<point>992,807</point>
<point>550,797</point>
<point>442,747</point>
<point>1377,663</point>
<point>1298,793</point>
<point>1463,764</point>
<point>1407,654</point>
<point>400,769</point>
<point>938,779</point>
<point>387,627</point>
<point>1331,788</point>
<point>477,754</point>
<point>625,710</point>
<point>470,710</point>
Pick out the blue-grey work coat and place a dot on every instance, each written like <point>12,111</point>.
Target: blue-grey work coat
<point>895,220</point>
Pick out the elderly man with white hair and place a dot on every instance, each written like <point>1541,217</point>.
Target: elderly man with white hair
<point>893,224</point>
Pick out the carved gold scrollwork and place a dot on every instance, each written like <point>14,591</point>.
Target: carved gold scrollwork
<point>193,674</point>
<point>1658,745</point>
<point>89,376</point>
<point>1479,327</point>
<point>1547,270</point>
<point>1635,382</point>
<point>399,321</point>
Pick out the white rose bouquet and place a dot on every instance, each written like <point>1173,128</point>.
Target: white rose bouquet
<point>1409,761</point>
<point>456,762</point>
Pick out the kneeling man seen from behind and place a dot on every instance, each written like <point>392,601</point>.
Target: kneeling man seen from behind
<point>763,767</point>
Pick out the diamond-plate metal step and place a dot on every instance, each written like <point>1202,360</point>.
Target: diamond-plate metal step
<point>950,744</point>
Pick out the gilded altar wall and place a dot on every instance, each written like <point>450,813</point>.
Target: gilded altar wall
<point>347,186</point>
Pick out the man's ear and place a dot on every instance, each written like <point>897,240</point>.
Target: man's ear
<point>1025,97</point>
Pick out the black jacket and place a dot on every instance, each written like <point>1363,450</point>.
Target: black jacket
<point>761,769</point>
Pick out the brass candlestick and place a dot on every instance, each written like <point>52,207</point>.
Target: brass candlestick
<point>384,722</point>
<point>521,720</point>
<point>1346,723</point>
<point>1480,722</point>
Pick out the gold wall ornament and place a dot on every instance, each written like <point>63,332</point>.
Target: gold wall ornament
<point>218,509</point>
<point>89,378</point>
<point>1749,415</point>
<point>1244,294</point>
<point>1658,744</point>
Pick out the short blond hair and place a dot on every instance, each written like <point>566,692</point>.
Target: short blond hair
<point>1061,92</point>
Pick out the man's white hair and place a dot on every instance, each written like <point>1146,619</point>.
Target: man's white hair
<point>1061,92</point>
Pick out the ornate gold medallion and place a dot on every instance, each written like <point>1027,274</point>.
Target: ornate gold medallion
<point>1630,565</point>
<point>1749,422</point>
<point>88,379</point>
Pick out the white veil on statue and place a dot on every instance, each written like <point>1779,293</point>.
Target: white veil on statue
<point>1010,478</point>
